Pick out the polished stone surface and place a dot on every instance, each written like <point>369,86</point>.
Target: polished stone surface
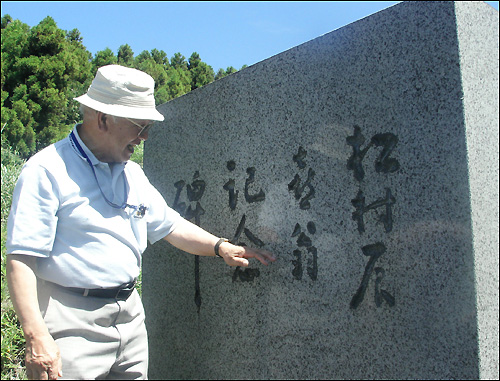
<point>367,161</point>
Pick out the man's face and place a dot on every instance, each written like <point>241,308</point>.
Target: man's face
<point>124,135</point>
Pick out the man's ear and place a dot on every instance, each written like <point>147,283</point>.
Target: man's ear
<point>102,120</point>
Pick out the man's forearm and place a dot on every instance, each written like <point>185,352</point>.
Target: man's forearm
<point>43,360</point>
<point>193,239</point>
<point>23,294</point>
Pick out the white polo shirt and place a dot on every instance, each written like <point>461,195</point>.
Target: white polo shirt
<point>59,215</point>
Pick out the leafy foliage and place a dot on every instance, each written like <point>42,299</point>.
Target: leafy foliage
<point>44,68</point>
<point>125,56</point>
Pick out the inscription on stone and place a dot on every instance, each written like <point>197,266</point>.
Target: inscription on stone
<point>383,164</point>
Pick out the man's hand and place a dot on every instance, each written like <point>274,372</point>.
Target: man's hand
<point>43,360</point>
<point>195,240</point>
<point>238,255</point>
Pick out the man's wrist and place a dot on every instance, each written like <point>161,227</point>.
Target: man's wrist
<point>217,246</point>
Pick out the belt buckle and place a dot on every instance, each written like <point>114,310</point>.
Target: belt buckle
<point>124,292</point>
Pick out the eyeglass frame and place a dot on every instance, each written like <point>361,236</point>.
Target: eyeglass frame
<point>144,129</point>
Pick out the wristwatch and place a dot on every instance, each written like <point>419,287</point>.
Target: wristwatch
<point>216,247</point>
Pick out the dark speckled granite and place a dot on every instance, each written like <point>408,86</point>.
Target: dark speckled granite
<point>367,160</point>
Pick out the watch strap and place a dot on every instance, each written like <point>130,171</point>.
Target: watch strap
<point>216,247</point>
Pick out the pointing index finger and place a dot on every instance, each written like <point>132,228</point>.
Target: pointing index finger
<point>263,256</point>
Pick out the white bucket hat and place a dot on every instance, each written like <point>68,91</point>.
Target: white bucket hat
<point>123,92</point>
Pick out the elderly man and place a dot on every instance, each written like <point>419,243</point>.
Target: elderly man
<point>80,220</point>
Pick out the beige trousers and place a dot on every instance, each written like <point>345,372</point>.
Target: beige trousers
<point>98,338</point>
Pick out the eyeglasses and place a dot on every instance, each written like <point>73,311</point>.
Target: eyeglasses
<point>144,129</point>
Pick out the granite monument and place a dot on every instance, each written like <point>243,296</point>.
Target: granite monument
<point>367,161</point>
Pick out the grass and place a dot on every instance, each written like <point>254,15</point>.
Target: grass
<point>13,344</point>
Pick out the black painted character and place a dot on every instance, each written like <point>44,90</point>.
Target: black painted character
<point>373,251</point>
<point>383,163</point>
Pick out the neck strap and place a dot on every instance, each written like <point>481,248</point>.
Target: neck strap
<point>76,144</point>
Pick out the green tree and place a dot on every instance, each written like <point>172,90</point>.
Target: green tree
<point>160,57</point>
<point>230,70</point>
<point>142,57</point>
<point>102,58</point>
<point>194,61</point>
<point>178,83</point>
<point>14,39</point>
<point>74,36</point>
<point>201,73</point>
<point>153,64</point>
<point>178,61</point>
<point>6,20</point>
<point>43,68</point>
<point>125,56</point>
<point>221,73</point>
<point>78,73</point>
<point>179,80</point>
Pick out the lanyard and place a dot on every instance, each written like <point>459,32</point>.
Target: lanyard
<point>139,210</point>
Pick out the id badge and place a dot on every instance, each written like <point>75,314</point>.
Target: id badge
<point>140,211</point>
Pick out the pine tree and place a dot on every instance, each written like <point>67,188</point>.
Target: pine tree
<point>43,68</point>
<point>102,58</point>
<point>125,56</point>
<point>201,73</point>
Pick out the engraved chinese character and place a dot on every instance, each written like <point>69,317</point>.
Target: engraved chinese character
<point>194,193</point>
<point>230,187</point>
<point>252,237</point>
<point>303,240</point>
<point>297,187</point>
<point>362,208</point>
<point>383,163</point>
<point>374,251</point>
<point>248,274</point>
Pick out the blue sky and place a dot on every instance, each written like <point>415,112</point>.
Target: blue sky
<point>222,33</point>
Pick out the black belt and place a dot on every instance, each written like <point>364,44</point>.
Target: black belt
<point>120,293</point>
